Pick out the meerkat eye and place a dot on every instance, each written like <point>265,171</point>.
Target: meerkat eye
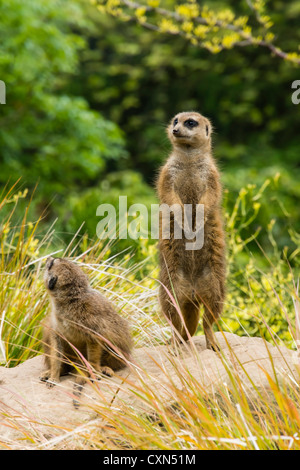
<point>175,122</point>
<point>190,123</point>
<point>206,127</point>
<point>52,281</point>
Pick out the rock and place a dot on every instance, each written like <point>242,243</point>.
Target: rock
<point>31,412</point>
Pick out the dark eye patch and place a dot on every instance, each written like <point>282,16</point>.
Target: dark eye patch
<point>175,122</point>
<point>52,281</point>
<point>190,123</point>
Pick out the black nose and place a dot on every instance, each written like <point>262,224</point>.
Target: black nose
<point>175,131</point>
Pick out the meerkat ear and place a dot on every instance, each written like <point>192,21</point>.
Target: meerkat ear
<point>52,282</point>
<point>208,128</point>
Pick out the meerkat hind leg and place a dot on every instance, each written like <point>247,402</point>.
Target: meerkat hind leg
<point>94,353</point>
<point>52,375</point>
<point>170,311</point>
<point>209,319</point>
<point>191,315</point>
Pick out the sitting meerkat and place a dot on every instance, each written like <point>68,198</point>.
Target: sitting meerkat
<point>195,276</point>
<point>83,318</point>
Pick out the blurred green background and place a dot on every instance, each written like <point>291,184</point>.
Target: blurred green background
<point>89,97</point>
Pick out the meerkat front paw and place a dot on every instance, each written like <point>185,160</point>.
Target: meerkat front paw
<point>50,381</point>
<point>45,376</point>
<point>106,371</point>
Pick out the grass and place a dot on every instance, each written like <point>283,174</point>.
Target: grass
<point>262,300</point>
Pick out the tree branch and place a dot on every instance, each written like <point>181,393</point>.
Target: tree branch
<point>248,39</point>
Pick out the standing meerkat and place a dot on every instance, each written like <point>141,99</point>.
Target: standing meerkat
<point>83,318</point>
<point>195,276</point>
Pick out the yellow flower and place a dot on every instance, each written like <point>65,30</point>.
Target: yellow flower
<point>241,21</point>
<point>226,16</point>
<point>140,14</point>
<point>229,40</point>
<point>166,26</point>
<point>187,26</point>
<point>201,30</point>
<point>188,11</point>
<point>153,3</point>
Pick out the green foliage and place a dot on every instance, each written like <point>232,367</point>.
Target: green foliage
<point>83,210</point>
<point>47,135</point>
<point>21,313</point>
<point>274,203</point>
<point>261,289</point>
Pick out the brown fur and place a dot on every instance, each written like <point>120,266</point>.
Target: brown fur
<point>81,317</point>
<point>190,176</point>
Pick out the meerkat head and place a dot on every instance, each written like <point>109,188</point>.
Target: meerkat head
<point>62,276</point>
<point>190,130</point>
